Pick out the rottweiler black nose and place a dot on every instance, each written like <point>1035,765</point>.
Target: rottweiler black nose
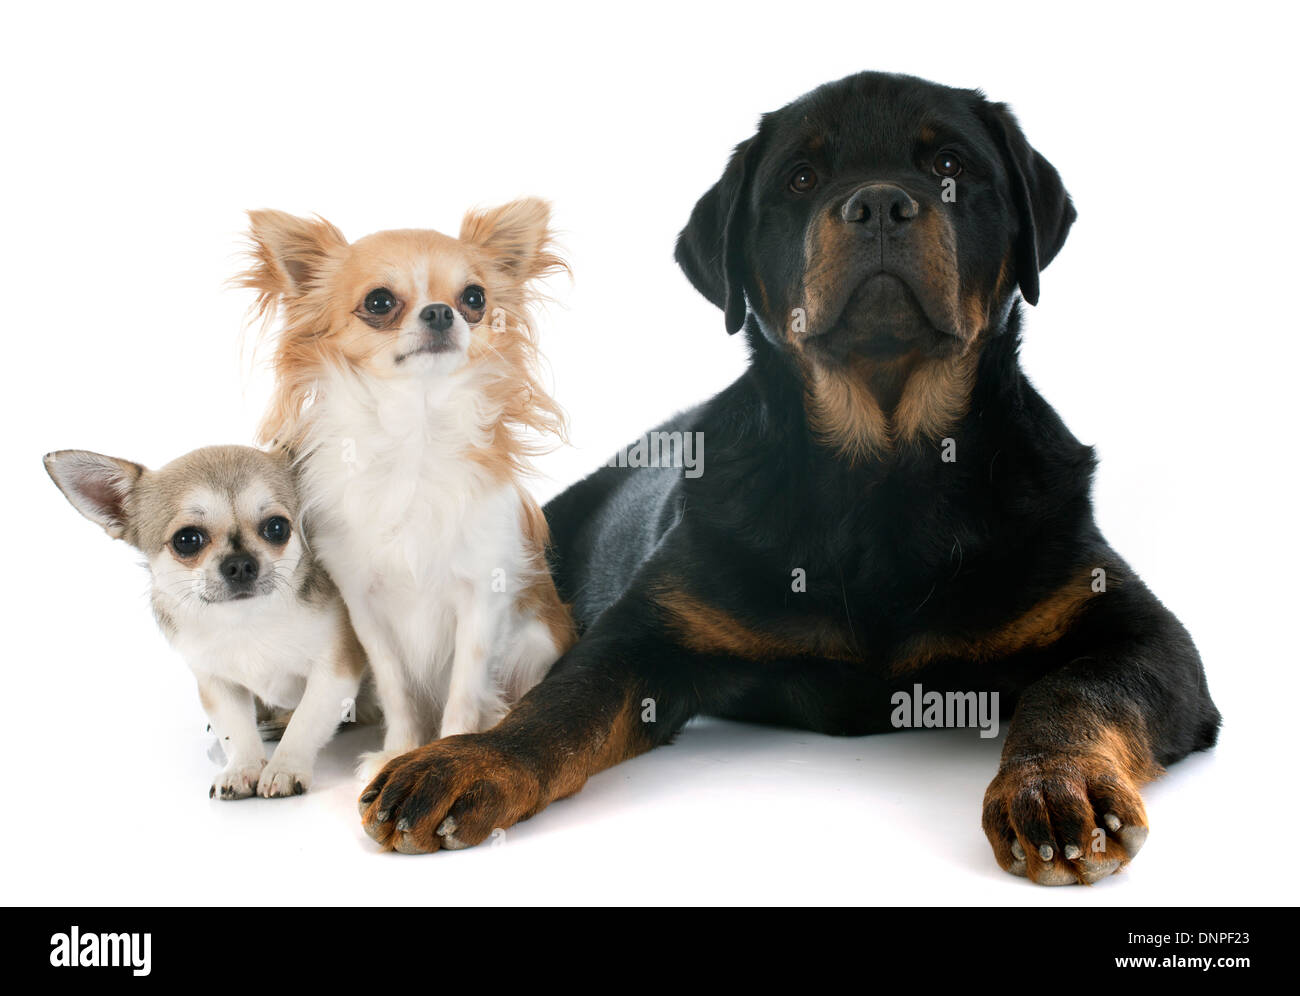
<point>438,317</point>
<point>239,569</point>
<point>881,203</point>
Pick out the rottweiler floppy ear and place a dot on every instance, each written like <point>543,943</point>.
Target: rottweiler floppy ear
<point>1046,212</point>
<point>710,247</point>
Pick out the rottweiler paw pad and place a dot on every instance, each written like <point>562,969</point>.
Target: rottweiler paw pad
<point>447,835</point>
<point>1064,819</point>
<point>448,795</point>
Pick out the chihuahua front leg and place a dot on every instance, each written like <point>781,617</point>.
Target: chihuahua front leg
<point>233,716</point>
<point>331,692</point>
<point>401,723</point>
<point>473,701</point>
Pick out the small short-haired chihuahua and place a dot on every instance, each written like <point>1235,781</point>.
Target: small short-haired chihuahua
<point>238,594</point>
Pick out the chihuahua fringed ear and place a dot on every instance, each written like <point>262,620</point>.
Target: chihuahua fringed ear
<point>518,235</point>
<point>98,486</point>
<point>288,254</point>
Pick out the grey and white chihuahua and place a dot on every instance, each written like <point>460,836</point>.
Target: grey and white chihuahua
<point>238,594</point>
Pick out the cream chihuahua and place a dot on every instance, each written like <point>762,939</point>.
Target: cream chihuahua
<point>238,594</point>
<point>407,388</point>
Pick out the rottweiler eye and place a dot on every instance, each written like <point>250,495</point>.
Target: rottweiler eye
<point>276,530</point>
<point>189,540</point>
<point>946,165</point>
<point>803,180</point>
<point>473,298</point>
<point>380,301</point>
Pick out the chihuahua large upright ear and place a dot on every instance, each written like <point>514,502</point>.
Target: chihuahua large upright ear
<point>710,249</point>
<point>517,236</point>
<point>289,254</point>
<point>98,486</point>
<point>1045,210</point>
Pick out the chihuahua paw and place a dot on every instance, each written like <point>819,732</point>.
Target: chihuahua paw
<point>281,778</point>
<point>237,781</point>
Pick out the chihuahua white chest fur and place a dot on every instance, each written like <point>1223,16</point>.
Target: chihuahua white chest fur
<point>268,645</point>
<point>426,547</point>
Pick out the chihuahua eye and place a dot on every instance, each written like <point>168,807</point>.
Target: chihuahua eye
<point>380,301</point>
<point>189,540</point>
<point>474,298</point>
<point>276,530</point>
<point>946,165</point>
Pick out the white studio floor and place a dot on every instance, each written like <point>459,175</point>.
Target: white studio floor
<point>729,814</point>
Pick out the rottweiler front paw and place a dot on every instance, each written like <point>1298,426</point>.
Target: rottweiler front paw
<point>450,794</point>
<point>1059,818</point>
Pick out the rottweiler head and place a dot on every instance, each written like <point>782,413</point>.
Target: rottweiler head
<point>874,231</point>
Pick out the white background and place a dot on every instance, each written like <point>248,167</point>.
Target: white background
<point>1166,335</point>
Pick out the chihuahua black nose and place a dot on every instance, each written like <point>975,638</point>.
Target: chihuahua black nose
<point>239,570</point>
<point>879,204</point>
<point>438,317</point>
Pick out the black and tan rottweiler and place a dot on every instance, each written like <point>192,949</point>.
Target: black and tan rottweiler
<point>885,501</point>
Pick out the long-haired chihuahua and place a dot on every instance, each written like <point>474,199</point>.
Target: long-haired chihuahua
<point>408,391</point>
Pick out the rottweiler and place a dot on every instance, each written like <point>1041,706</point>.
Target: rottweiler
<point>885,504</point>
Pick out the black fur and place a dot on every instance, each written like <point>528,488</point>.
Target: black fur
<point>890,550</point>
